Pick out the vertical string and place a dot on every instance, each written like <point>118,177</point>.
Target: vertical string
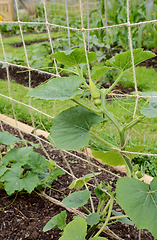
<point>9,89</point>
<point>84,40</point>
<point>132,58</point>
<point>67,18</point>
<point>49,35</point>
<point>88,22</point>
<point>107,40</point>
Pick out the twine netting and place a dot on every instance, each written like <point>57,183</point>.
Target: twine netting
<point>82,10</point>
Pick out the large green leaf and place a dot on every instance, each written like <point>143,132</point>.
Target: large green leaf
<point>62,88</point>
<point>112,157</point>
<point>99,72</point>
<point>70,129</point>
<point>123,61</point>
<point>17,155</point>
<point>74,57</point>
<point>149,110</point>
<point>75,230</point>
<point>3,169</point>
<point>8,139</point>
<point>57,221</point>
<point>138,202</point>
<point>77,199</point>
<point>13,180</point>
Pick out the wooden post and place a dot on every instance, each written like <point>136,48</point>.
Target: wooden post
<point>7,10</point>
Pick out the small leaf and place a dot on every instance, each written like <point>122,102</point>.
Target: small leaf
<point>99,72</point>
<point>123,61</point>
<point>93,218</point>
<point>75,230</point>
<point>8,139</point>
<point>123,220</point>
<point>57,221</point>
<point>74,57</point>
<point>79,183</point>
<point>70,129</point>
<point>77,199</point>
<point>138,202</point>
<point>62,88</point>
<point>112,157</point>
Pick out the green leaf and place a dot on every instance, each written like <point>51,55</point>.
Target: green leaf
<point>123,220</point>
<point>17,155</point>
<point>112,157</point>
<point>70,129</point>
<point>58,221</point>
<point>134,149</point>
<point>99,72</point>
<point>37,162</point>
<point>75,230</point>
<point>74,57</point>
<point>77,199</point>
<point>93,218</point>
<point>62,88</point>
<point>30,181</point>
<point>138,202</point>
<point>79,183</point>
<point>8,139</point>
<point>13,181</point>
<point>149,110</point>
<point>3,169</point>
<point>123,61</point>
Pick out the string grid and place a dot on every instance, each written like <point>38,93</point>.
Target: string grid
<point>81,8</point>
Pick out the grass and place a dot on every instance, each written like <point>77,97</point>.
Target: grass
<point>32,49</point>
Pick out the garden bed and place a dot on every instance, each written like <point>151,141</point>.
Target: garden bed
<point>25,215</point>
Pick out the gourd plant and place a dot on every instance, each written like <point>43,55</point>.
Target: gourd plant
<point>72,129</point>
<point>22,168</point>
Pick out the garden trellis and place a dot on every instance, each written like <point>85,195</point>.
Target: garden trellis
<point>83,10</point>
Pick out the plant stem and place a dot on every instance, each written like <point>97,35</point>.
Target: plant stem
<point>133,123</point>
<point>108,217</point>
<point>116,217</point>
<point>78,70</point>
<point>106,112</point>
<point>85,106</point>
<point>113,85</point>
<point>108,144</point>
<point>91,200</point>
<point>86,209</point>
<point>106,207</point>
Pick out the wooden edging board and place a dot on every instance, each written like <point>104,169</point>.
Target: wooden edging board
<point>26,128</point>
